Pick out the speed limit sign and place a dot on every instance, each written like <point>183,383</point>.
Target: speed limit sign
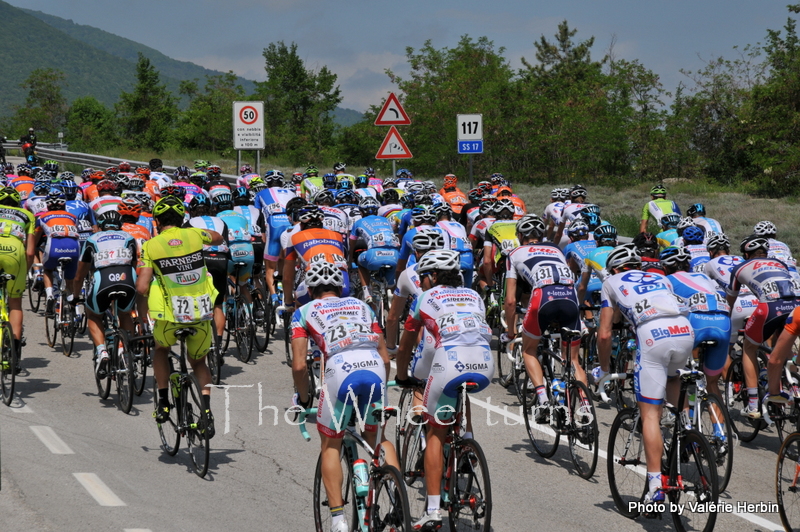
<point>248,125</point>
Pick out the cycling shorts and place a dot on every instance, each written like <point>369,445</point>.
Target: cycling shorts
<point>451,367</point>
<point>345,388</point>
<point>275,227</point>
<point>112,279</point>
<point>423,357</point>
<point>712,327</point>
<point>551,304</point>
<point>217,266</point>
<point>14,262</point>
<point>768,318</point>
<point>741,311</point>
<point>59,247</point>
<point>197,345</point>
<point>664,346</point>
<point>303,296</point>
<point>375,258</point>
<point>241,252</point>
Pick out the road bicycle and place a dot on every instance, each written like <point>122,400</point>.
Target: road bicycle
<point>262,312</point>
<point>787,475</point>
<point>35,284</point>
<point>466,486</point>
<point>238,319</point>
<point>623,360</point>
<point>187,414</point>
<point>141,344</point>
<point>63,317</point>
<point>9,358</point>
<point>735,396</point>
<point>689,474</point>
<point>570,412</point>
<point>510,362</point>
<point>381,295</point>
<point>120,365</point>
<point>375,503</point>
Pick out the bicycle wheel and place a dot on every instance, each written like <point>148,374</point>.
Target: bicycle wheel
<point>122,371</point>
<point>195,421</point>
<point>698,475</point>
<point>212,360</point>
<point>505,366</point>
<point>541,432</point>
<point>67,327</point>
<point>260,320</point>
<point>35,297</point>
<point>526,394</point>
<point>403,421</point>
<point>322,511</point>
<point>626,466</point>
<point>389,510</point>
<point>227,331</point>
<point>583,435</point>
<point>787,474</point>
<point>736,399</point>
<point>8,361</point>
<point>624,394</point>
<point>287,339</point>
<point>141,354</point>
<point>51,329</point>
<point>168,431</point>
<point>715,426</point>
<point>470,493</point>
<point>104,384</point>
<point>412,465</point>
<point>244,332</point>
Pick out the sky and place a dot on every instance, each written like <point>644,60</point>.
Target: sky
<point>359,39</point>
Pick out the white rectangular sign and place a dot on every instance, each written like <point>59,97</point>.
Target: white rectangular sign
<point>248,125</point>
<point>470,127</point>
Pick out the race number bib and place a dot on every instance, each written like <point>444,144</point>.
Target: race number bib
<point>188,309</point>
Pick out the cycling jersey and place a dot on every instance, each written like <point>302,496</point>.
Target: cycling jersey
<point>255,221</point>
<point>519,207</point>
<point>24,185</point>
<point>667,238</point>
<point>768,279</point>
<point>456,198</point>
<point>240,244</point>
<point>85,216</point>
<point>35,204</point>
<point>244,180</point>
<point>308,245</point>
<point>539,265</point>
<point>139,234</point>
<point>146,221</point>
<point>310,187</point>
<point>352,214</point>
<point>459,241</point>
<point>114,256</point>
<point>406,249</point>
<point>642,297</point>
<point>570,212</point>
<point>478,233</point>
<point>709,225</point>
<point>502,236</point>
<point>272,200</point>
<point>658,208</point>
<point>335,220</point>
<point>719,270</point>
<point>367,193</point>
<point>105,203</point>
<point>578,251</point>
<point>552,213</point>
<point>388,210</point>
<point>16,225</point>
<point>374,232</point>
<point>58,224</point>
<point>779,250</point>
<point>596,262</point>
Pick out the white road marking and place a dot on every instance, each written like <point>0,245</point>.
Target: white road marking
<point>97,489</point>
<point>137,530</point>
<point>51,440</point>
<point>18,406</point>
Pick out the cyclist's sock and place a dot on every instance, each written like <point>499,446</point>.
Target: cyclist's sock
<point>653,481</point>
<point>434,502</point>
<point>18,348</point>
<point>207,401</point>
<point>542,393</point>
<point>337,514</point>
<point>752,394</point>
<point>69,297</point>
<point>49,292</point>
<point>163,396</point>
<point>467,435</point>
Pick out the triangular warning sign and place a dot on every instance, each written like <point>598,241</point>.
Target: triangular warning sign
<point>392,113</point>
<point>393,147</point>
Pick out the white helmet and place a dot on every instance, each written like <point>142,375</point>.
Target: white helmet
<point>685,222</point>
<point>765,228</point>
<point>427,239</point>
<point>531,225</point>
<point>622,255</point>
<point>717,241</point>
<point>321,273</point>
<point>441,260</point>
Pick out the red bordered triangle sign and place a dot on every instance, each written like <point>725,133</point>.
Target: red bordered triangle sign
<point>392,113</point>
<point>393,147</point>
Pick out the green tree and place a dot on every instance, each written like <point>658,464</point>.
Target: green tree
<point>147,115</point>
<point>91,125</point>
<point>45,106</point>
<point>207,123</point>
<point>298,103</point>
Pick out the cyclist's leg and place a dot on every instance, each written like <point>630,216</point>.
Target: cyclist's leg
<point>532,330</point>
<point>197,347</point>
<point>242,252</point>
<point>217,266</point>
<point>712,327</point>
<point>164,337</point>
<point>13,261</point>
<point>96,303</point>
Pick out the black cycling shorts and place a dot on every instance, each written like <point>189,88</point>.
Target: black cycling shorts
<point>107,281</point>
<point>217,266</point>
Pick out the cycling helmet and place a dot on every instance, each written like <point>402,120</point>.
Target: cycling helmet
<point>292,205</point>
<point>245,169</point>
<point>200,164</point>
<point>645,241</point>
<point>241,196</point>
<point>310,216</point>
<point>172,190</point>
<point>390,197</point>
<point>427,238</point>
<point>578,229</point>
<point>311,171</point>
<point>112,171</point>
<point>390,182</point>
<point>718,241</point>
<point>136,183</point>
<point>504,191</point>
<point>504,209</point>
<point>754,243</point>
<point>345,184</point>
<point>369,171</point>
<point>198,178</point>
<point>106,185</point>
<point>122,182</point>
<point>362,181</point>
<point>439,260</point>
<point>423,214</point>
<point>674,256</point>
<point>564,194</point>
<point>556,194</point>
<point>297,178</point>
<point>403,173</point>
<point>592,208</point>
<point>199,202</point>
<point>578,191</point>
<point>487,205</point>
<point>413,188</point>
<point>273,178</point>
<point>658,191</point>
<point>531,226</point>
<point>496,178</point>
<point>450,181</point>
<point>110,221</point>
<point>485,186</point>
<point>9,197</point>
<point>85,173</point>
<point>698,208</point>
<point>347,197</point>
<point>41,188</point>
<point>407,201</point>
<point>55,200</point>
<point>325,197</point>
<point>369,207</point>
<point>143,170</point>
<point>624,255</point>
<point>67,176</point>
<point>428,187</point>
<point>168,203</point>
<point>443,209</point>
<point>591,220</point>
<point>50,166</point>
<point>130,207</point>
<point>322,273</point>
<point>670,221</point>
<point>23,169</point>
<point>70,189</point>
<point>257,184</point>
<point>181,172</point>
<point>474,195</point>
<point>693,235</point>
<point>339,167</point>
<point>124,166</point>
<point>766,229</point>
<point>606,235</point>
<point>329,181</point>
<point>223,202</point>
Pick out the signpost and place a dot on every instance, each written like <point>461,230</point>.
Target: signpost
<point>470,137</point>
<point>393,147</point>
<point>248,130</point>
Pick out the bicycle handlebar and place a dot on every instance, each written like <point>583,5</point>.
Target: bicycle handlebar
<point>601,384</point>
<point>303,415</point>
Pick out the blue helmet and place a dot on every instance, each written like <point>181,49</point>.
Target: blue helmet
<point>329,181</point>
<point>70,189</point>
<point>241,196</point>
<point>606,235</point>
<point>199,201</point>
<point>592,220</point>
<point>345,184</point>
<point>362,181</point>
<point>347,197</point>
<point>698,209</point>
<point>693,235</point>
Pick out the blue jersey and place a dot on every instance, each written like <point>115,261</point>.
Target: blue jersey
<point>255,220</point>
<point>376,232</point>
<point>405,221</point>
<point>406,248</point>
<point>579,250</point>
<point>699,292</point>
<point>667,238</point>
<point>238,227</point>
<point>85,215</point>
<point>147,223</point>
<point>272,200</point>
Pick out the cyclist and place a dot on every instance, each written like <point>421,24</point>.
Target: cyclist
<point>478,232</point>
<point>107,198</point>
<point>452,194</point>
<point>240,243</point>
<point>669,232</point>
<point>559,197</point>
<point>356,370</point>
<point>658,207</point>
<point>390,203</point>
<point>180,297</point>
<point>519,205</point>
<point>693,242</point>
<point>23,183</point>
<point>471,211</point>
<point>363,189</point>
<point>777,249</point>
<point>665,338</point>
<point>459,241</point>
<point>112,254</point>
<point>778,294</point>
<point>272,203</point>
<point>577,195</point>
<point>256,227</point>
<point>335,219</point>
<point>467,357</point>
<point>374,246</point>
<point>60,228</point>
<point>36,200</point>
<point>647,247</point>
<point>594,270</point>
<point>697,212</point>
<point>130,212</point>
<point>501,239</point>
<point>422,216</point>
<point>16,226</point>
<point>579,247</point>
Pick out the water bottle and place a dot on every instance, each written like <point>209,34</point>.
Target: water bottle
<point>558,391</point>
<point>614,344</point>
<point>361,477</point>
<point>762,377</point>
<point>176,383</point>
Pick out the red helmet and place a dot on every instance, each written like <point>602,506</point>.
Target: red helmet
<point>106,185</point>
<point>124,166</point>
<point>130,207</point>
<point>450,181</point>
<point>97,177</point>
<point>143,170</point>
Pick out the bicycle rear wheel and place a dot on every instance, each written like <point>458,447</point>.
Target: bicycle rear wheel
<point>403,421</point>
<point>389,510</point>
<point>67,327</point>
<point>412,465</point>
<point>544,437</point>
<point>260,320</point>
<point>196,421</point>
<point>168,431</point>
<point>698,475</point>
<point>287,339</point>
<point>141,354</point>
<point>212,360</point>
<point>244,332</point>
<point>322,510</point>
<point>736,399</point>
<point>227,330</point>
<point>626,465</point>
<point>104,384</point>
<point>787,475</point>
<point>35,297</point>
<point>583,432</point>
<point>51,329</point>
<point>470,504</point>
<point>8,363</point>
<point>122,371</point>
<point>715,426</point>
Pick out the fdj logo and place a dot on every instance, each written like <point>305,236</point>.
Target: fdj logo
<point>648,287</point>
<point>671,332</point>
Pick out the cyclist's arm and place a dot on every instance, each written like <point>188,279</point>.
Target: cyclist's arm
<point>780,354</point>
<point>288,282</point>
<point>604,337</point>
<point>407,344</point>
<point>488,263</point>
<point>384,355</point>
<point>143,281</point>
<point>511,306</point>
<point>33,241</point>
<point>299,368</point>
<point>584,283</point>
<point>645,218</point>
<point>393,320</point>
<point>560,231</point>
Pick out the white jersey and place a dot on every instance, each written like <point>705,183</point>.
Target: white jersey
<point>335,220</point>
<point>539,265</point>
<point>642,297</point>
<point>454,316</point>
<point>286,236</point>
<point>162,179</point>
<point>367,193</point>
<point>709,225</point>
<point>553,212</point>
<point>779,250</point>
<point>570,212</point>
